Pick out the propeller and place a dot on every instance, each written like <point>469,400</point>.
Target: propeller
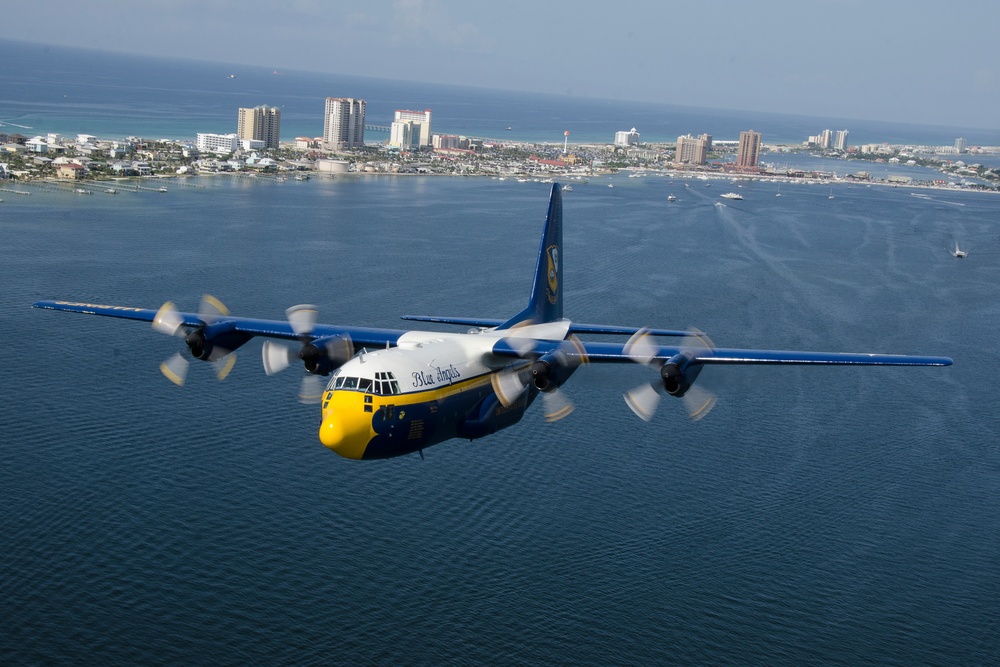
<point>547,373</point>
<point>320,355</point>
<point>168,320</point>
<point>676,376</point>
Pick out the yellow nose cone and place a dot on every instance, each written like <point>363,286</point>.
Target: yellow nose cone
<point>346,429</point>
<point>331,433</point>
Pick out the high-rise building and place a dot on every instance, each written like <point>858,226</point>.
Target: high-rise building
<point>840,140</point>
<point>960,145</point>
<point>826,139</point>
<point>413,126</point>
<point>626,138</point>
<point>749,151</point>
<point>344,122</point>
<point>261,123</point>
<point>693,151</point>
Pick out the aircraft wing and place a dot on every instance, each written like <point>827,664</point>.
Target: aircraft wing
<point>282,329</point>
<point>596,352</point>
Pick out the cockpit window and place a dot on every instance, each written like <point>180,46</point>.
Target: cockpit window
<point>384,383</point>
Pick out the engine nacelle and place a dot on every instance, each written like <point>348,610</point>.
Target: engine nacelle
<point>214,341</point>
<point>678,374</point>
<point>324,355</point>
<point>551,370</point>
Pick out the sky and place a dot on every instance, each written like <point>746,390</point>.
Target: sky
<point>913,61</point>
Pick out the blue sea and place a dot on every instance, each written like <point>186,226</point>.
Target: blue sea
<point>838,516</point>
<point>113,95</point>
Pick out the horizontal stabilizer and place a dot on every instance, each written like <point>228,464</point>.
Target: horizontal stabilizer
<point>575,327</point>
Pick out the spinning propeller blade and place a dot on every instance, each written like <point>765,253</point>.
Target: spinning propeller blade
<point>277,357</point>
<point>175,369</point>
<point>167,320</point>
<point>311,390</point>
<point>302,318</point>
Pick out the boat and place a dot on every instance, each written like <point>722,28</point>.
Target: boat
<point>81,191</point>
<point>958,253</point>
<point>671,198</point>
<point>567,188</point>
<point>831,194</point>
<point>302,177</point>
<point>162,190</point>
<point>111,191</point>
<point>509,128</point>
<point>720,204</point>
<point>731,195</point>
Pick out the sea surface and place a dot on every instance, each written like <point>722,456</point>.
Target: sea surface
<point>838,516</point>
<point>113,95</point>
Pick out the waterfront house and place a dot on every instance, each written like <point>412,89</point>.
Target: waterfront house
<point>70,170</point>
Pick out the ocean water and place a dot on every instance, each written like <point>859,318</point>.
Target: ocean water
<point>816,516</point>
<point>71,91</point>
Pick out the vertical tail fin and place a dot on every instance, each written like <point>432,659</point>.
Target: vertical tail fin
<point>546,303</point>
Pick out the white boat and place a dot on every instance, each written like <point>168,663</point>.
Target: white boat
<point>731,195</point>
<point>831,194</point>
<point>671,198</point>
<point>958,253</point>
<point>567,188</point>
<point>111,191</point>
<point>162,190</point>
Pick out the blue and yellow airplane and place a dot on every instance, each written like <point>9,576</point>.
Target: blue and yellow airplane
<point>393,392</point>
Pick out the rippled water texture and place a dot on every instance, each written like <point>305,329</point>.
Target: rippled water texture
<point>825,516</point>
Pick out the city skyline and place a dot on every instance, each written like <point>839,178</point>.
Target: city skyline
<point>911,72</point>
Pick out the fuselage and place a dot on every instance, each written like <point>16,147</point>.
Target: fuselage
<point>429,388</point>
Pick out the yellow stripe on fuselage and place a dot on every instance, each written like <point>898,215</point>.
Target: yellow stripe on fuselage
<point>347,427</point>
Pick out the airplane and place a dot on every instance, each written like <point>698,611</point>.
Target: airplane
<point>395,392</point>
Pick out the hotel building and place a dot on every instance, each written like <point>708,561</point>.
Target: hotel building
<point>344,122</point>
<point>840,140</point>
<point>626,138</point>
<point>261,123</point>
<point>217,143</point>
<point>411,129</point>
<point>748,154</point>
<point>693,151</point>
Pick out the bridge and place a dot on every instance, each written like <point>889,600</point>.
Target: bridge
<point>377,128</point>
